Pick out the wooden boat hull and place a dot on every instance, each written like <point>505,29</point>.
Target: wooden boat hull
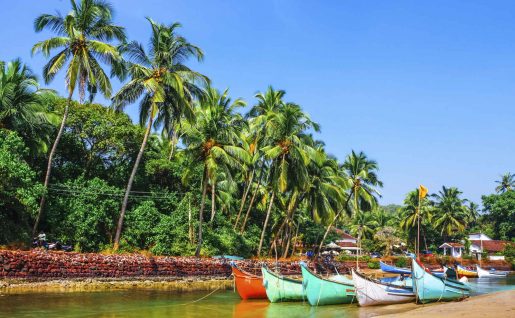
<point>483,273</point>
<point>393,269</point>
<point>248,286</point>
<point>371,292</point>
<point>279,288</point>
<point>430,288</point>
<point>463,272</point>
<point>320,291</point>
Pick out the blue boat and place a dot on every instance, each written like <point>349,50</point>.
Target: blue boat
<point>430,288</point>
<point>395,270</point>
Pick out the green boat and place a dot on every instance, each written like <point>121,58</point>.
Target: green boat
<point>280,288</point>
<point>322,291</point>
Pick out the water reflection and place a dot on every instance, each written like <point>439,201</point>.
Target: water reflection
<point>162,303</point>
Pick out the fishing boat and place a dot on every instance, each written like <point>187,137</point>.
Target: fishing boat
<point>483,273</point>
<point>372,292</point>
<point>465,272</point>
<point>393,269</point>
<point>323,291</point>
<point>248,286</point>
<point>429,288</point>
<point>280,288</point>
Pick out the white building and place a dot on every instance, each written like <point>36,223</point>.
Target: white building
<point>480,243</point>
<point>453,249</point>
<point>347,242</point>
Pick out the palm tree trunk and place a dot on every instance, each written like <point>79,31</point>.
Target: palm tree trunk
<point>287,248</point>
<point>49,164</point>
<point>330,225</point>
<point>251,203</point>
<point>201,213</point>
<point>244,198</point>
<point>266,223</point>
<point>295,240</point>
<point>190,224</point>
<point>174,143</point>
<point>213,197</point>
<point>129,184</point>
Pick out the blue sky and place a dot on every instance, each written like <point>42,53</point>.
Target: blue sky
<point>425,88</point>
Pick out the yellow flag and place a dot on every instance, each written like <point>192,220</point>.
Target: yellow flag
<point>422,191</point>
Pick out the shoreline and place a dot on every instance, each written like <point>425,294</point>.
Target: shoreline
<point>492,305</point>
<point>180,285</point>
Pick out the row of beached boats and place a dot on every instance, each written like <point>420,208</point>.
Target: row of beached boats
<point>415,284</point>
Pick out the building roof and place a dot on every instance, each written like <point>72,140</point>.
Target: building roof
<point>452,244</point>
<point>491,245</point>
<point>342,234</point>
<point>346,244</point>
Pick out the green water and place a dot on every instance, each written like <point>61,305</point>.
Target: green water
<point>160,303</point>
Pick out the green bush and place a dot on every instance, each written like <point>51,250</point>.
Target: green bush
<point>402,262</point>
<point>373,264</point>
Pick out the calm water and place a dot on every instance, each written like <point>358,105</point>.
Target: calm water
<point>160,303</point>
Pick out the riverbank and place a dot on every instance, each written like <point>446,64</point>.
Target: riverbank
<point>494,305</point>
<point>93,285</point>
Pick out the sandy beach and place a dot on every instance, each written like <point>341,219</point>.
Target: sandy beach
<point>499,304</point>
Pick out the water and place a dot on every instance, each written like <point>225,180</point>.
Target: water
<point>161,303</point>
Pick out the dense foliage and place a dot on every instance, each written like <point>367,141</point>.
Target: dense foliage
<point>198,174</point>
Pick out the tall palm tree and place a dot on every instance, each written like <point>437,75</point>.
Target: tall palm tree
<point>288,148</point>
<point>450,211</point>
<point>507,183</point>
<point>165,85</point>
<point>362,174</point>
<point>22,105</point>
<point>83,39</point>
<point>261,120</point>
<point>212,140</point>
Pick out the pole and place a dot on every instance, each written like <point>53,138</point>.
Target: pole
<point>418,227</point>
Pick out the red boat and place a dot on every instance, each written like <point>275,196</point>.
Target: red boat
<point>249,286</point>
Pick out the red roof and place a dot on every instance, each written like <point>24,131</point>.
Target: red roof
<point>452,244</point>
<point>346,244</point>
<point>343,234</point>
<point>491,245</point>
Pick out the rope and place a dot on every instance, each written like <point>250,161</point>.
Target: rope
<point>201,298</point>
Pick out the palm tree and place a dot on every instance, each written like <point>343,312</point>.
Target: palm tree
<point>288,148</point>
<point>361,173</point>
<point>409,214</point>
<point>22,105</point>
<point>211,139</point>
<point>450,211</point>
<point>83,39</point>
<point>507,183</point>
<point>163,82</point>
<point>261,120</point>
<point>326,193</point>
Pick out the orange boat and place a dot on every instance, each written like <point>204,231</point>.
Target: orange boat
<point>249,286</point>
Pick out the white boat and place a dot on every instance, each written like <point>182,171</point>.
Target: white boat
<point>483,273</point>
<point>372,292</point>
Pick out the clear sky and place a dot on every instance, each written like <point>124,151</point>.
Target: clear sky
<point>425,88</point>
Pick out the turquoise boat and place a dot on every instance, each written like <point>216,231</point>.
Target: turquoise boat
<point>430,288</point>
<point>280,288</point>
<point>322,291</point>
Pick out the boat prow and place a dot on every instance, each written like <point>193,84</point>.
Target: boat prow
<point>248,286</point>
<point>372,292</point>
<point>322,291</point>
<point>430,288</point>
<point>281,288</point>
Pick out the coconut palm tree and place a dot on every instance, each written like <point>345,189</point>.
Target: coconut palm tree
<point>261,120</point>
<point>450,211</point>
<point>507,183</point>
<point>162,83</point>
<point>22,105</point>
<point>288,148</point>
<point>83,42</point>
<point>212,139</point>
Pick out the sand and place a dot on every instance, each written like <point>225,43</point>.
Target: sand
<point>498,305</point>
